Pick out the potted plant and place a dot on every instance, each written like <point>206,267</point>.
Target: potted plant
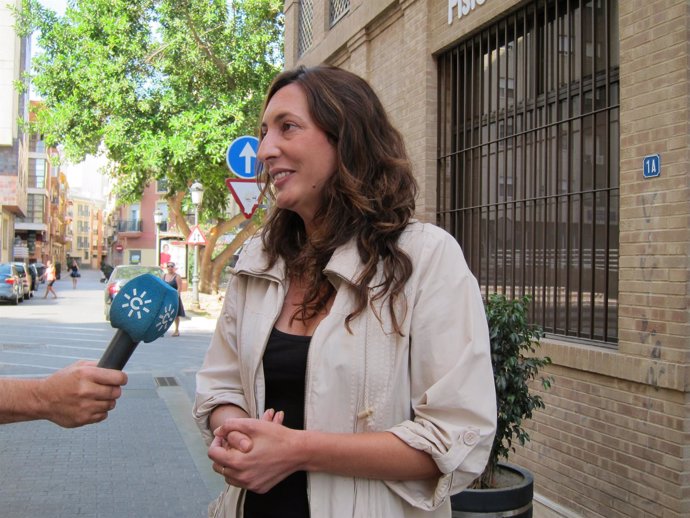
<point>503,487</point>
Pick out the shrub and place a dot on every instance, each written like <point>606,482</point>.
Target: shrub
<point>512,337</point>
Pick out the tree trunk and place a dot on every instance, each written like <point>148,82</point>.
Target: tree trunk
<point>211,268</point>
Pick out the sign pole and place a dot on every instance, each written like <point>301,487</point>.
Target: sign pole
<point>195,277</point>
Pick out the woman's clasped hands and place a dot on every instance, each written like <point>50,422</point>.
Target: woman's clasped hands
<point>255,454</point>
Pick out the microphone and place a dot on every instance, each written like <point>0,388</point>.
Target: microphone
<point>143,310</point>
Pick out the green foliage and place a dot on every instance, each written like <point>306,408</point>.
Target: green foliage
<point>513,344</point>
<point>163,86</point>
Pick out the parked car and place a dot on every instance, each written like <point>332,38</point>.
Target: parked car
<point>120,276</point>
<point>107,271</point>
<point>25,277</point>
<point>40,269</point>
<point>33,272</point>
<point>10,285</point>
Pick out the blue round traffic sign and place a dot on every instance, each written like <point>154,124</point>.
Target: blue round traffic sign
<point>241,156</point>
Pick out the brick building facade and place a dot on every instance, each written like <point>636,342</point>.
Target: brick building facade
<point>537,131</point>
<point>14,61</point>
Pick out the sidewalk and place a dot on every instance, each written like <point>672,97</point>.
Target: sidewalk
<point>147,459</point>
<point>208,311</point>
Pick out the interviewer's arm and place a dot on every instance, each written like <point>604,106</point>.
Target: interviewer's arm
<point>74,396</point>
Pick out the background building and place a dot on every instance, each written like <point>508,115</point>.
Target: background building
<point>87,245</point>
<point>551,139</point>
<point>31,231</point>
<point>14,60</point>
<point>134,238</point>
<point>61,214</point>
<point>33,193</point>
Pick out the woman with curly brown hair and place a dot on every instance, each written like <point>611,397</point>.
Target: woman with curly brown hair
<point>349,374</point>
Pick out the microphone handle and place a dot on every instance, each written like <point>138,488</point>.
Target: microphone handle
<point>118,352</point>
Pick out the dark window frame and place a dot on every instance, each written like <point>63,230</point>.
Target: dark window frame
<point>305,31</point>
<point>337,9</point>
<point>528,161</point>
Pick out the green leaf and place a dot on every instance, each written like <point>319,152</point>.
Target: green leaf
<point>512,336</point>
<point>163,85</point>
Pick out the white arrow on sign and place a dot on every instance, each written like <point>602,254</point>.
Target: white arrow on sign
<point>248,154</point>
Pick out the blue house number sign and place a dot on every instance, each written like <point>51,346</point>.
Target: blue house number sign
<point>651,166</point>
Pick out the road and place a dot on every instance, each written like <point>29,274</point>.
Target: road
<point>146,460</point>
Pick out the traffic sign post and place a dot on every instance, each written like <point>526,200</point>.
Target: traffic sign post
<point>241,156</point>
<point>246,193</point>
<point>196,237</point>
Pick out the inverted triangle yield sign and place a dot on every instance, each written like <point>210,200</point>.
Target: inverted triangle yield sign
<point>246,193</point>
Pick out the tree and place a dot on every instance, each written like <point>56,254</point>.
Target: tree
<point>163,86</point>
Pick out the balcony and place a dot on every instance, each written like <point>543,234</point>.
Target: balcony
<point>129,226</point>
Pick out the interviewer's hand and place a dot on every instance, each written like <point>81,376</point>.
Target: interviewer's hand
<point>80,394</point>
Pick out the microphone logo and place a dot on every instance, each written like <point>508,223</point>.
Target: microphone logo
<point>166,318</point>
<point>143,310</point>
<point>136,303</point>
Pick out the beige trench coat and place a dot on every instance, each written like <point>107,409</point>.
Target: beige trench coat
<point>432,387</point>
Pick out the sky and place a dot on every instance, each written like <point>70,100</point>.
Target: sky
<point>55,5</point>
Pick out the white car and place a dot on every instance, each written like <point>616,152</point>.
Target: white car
<point>121,274</point>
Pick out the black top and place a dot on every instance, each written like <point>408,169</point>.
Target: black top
<point>173,284</point>
<point>285,367</point>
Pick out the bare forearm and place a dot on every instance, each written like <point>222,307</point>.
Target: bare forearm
<point>224,412</point>
<point>257,454</point>
<point>376,455</point>
<point>75,395</point>
<point>20,400</point>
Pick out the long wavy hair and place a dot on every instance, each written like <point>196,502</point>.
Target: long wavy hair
<point>370,198</point>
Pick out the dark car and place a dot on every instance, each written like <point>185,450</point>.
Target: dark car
<point>10,285</point>
<point>121,274</point>
<point>25,278</point>
<point>40,270</point>
<point>107,271</point>
<point>33,272</point>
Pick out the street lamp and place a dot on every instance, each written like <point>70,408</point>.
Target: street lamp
<point>197,192</point>
<point>158,219</point>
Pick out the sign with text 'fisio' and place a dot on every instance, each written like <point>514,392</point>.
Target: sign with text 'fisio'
<point>463,8</point>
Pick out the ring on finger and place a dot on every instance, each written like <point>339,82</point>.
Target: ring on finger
<point>222,471</point>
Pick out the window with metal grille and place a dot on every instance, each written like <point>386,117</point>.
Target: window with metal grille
<point>35,208</point>
<point>338,9</point>
<point>37,173</point>
<point>528,166</point>
<point>304,30</point>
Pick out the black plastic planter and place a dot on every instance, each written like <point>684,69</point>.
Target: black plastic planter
<point>514,501</point>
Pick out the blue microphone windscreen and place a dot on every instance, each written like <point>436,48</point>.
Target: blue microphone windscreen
<point>144,308</point>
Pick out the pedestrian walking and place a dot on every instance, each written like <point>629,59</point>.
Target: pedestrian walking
<point>350,371</point>
<point>49,276</point>
<point>74,273</point>
<point>175,281</point>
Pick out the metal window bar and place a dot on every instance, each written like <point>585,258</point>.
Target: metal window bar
<point>528,161</point>
<point>305,33</point>
<point>338,9</point>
